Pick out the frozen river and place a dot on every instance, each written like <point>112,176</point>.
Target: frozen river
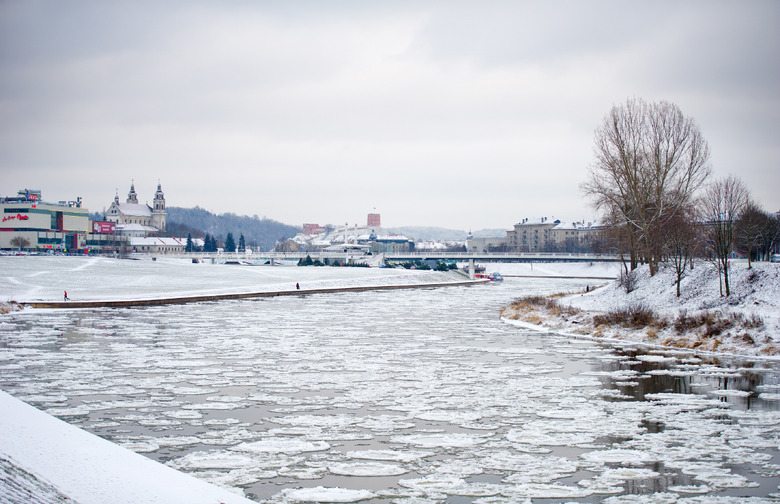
<point>407,397</point>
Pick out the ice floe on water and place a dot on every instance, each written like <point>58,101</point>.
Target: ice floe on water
<point>619,456</point>
<point>389,455</point>
<point>439,440</point>
<point>323,494</point>
<point>367,469</point>
<point>282,445</point>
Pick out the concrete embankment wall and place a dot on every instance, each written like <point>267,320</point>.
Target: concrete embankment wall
<point>219,297</point>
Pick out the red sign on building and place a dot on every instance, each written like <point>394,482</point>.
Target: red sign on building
<point>103,227</point>
<point>17,216</point>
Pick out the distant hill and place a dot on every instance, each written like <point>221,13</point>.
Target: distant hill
<point>443,234</point>
<point>258,233</point>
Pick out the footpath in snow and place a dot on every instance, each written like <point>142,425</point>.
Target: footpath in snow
<point>745,323</point>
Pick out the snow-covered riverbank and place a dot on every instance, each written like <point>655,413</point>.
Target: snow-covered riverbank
<point>745,323</point>
<point>35,278</point>
<point>47,460</point>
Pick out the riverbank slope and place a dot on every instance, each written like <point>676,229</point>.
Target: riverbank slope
<point>745,323</point>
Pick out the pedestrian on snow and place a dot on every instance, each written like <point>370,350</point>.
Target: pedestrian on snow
<point>66,295</point>
<point>298,286</point>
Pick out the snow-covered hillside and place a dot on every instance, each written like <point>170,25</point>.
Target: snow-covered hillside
<point>747,322</point>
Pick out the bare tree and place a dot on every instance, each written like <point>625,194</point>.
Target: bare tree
<point>650,159</point>
<point>20,241</point>
<point>749,229</point>
<point>724,200</point>
<point>680,243</point>
<point>771,234</point>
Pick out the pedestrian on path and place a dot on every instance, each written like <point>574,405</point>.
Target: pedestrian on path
<point>298,286</point>
<point>66,295</point>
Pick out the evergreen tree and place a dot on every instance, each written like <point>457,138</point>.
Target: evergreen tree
<point>241,243</point>
<point>230,243</point>
<point>189,247</point>
<point>209,244</point>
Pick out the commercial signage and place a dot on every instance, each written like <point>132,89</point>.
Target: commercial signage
<point>17,217</point>
<point>103,227</point>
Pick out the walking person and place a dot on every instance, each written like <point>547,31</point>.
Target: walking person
<point>66,295</point>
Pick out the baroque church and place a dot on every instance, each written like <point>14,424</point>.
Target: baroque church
<point>138,219</point>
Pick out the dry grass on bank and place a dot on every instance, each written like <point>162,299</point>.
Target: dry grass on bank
<point>9,306</point>
<point>701,331</point>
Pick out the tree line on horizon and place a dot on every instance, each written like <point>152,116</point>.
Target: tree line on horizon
<point>255,233</point>
<point>651,181</point>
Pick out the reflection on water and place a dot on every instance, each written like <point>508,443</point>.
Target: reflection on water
<point>637,374</point>
<point>407,394</point>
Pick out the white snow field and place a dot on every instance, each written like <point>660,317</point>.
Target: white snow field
<point>389,397</point>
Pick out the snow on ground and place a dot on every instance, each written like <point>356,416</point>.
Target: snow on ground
<point>556,269</point>
<point>753,308</point>
<point>36,278</point>
<point>49,457</point>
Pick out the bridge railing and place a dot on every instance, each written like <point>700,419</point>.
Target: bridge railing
<point>394,256</point>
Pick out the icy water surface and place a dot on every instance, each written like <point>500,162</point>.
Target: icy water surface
<point>404,397</point>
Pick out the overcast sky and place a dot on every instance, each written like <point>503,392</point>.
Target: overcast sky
<point>466,115</point>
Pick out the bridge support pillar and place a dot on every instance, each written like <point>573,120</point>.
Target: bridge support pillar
<point>471,269</point>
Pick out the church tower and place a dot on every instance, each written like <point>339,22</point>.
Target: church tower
<point>158,210</point>
<point>132,197</point>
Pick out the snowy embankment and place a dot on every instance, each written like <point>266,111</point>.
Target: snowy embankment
<point>43,459</point>
<point>35,278</point>
<point>745,323</point>
<point>597,270</point>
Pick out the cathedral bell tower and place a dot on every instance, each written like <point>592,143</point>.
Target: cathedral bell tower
<point>132,197</point>
<point>158,209</point>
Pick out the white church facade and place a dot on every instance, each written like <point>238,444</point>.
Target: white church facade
<point>137,219</point>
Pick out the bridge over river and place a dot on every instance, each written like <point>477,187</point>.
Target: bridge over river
<point>378,259</point>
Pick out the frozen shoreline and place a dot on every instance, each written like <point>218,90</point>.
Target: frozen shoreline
<point>755,296</point>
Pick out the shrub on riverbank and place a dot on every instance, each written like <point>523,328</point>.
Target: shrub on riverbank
<point>9,306</point>
<point>636,316</point>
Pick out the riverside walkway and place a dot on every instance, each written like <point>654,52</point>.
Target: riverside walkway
<point>130,303</point>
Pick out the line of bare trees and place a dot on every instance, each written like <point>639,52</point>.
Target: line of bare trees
<point>649,180</point>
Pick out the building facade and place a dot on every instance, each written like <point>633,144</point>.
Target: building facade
<point>138,219</point>
<point>530,235</point>
<point>483,245</point>
<point>547,235</point>
<point>30,223</point>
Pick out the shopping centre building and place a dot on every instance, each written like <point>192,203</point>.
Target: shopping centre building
<point>30,223</point>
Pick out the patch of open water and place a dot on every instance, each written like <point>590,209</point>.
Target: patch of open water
<point>401,397</point>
